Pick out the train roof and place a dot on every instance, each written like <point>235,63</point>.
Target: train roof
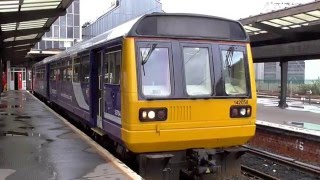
<point>170,25</point>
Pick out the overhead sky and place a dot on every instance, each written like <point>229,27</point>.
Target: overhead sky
<point>233,9</point>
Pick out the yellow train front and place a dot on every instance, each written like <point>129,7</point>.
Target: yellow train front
<point>188,96</point>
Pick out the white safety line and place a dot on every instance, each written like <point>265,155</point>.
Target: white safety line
<point>289,128</point>
<point>102,151</point>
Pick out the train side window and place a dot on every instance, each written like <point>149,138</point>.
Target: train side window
<point>52,77</point>
<point>76,69</point>
<point>112,66</point>
<point>62,70</point>
<point>117,68</point>
<point>85,69</point>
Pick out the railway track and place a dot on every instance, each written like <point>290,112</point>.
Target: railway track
<point>292,163</point>
<point>257,174</point>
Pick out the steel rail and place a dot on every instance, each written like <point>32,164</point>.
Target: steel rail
<point>256,173</point>
<point>307,168</point>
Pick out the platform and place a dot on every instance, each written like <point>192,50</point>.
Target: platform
<point>299,116</point>
<point>36,143</point>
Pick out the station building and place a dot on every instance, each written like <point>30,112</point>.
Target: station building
<point>64,33</point>
<point>120,12</point>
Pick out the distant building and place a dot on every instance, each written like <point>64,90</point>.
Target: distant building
<point>120,12</point>
<point>272,71</point>
<point>64,32</point>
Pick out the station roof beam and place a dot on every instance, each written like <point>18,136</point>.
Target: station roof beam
<point>24,22</point>
<point>295,27</point>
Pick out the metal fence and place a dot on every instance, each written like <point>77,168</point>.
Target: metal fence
<point>273,86</point>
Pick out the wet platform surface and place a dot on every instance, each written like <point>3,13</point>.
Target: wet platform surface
<point>303,116</point>
<point>36,144</point>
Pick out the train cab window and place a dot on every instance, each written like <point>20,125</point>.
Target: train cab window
<point>155,71</point>
<point>76,69</point>
<point>197,71</point>
<point>85,69</point>
<point>234,71</point>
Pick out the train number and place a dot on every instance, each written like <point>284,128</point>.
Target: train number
<point>241,102</point>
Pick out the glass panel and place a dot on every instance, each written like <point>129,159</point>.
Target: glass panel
<point>155,71</point>
<point>63,20</point>
<point>49,34</point>
<point>252,28</point>
<point>281,22</point>
<point>76,20</point>
<point>293,19</point>
<point>234,72</point>
<point>69,20</point>
<point>61,44</point>
<point>106,67</point>
<point>70,9</point>
<point>76,8</point>
<point>56,31</point>
<point>76,69</point>
<point>42,45</point>
<point>56,22</point>
<point>56,44</point>
<point>270,23</point>
<point>197,71</point>
<point>85,69</point>
<point>70,32</point>
<point>76,32</point>
<point>117,68</point>
<point>48,44</point>
<point>111,67</point>
<point>306,17</point>
<point>315,13</point>
<point>63,32</point>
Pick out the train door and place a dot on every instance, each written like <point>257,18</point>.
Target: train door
<point>112,110</point>
<point>99,58</point>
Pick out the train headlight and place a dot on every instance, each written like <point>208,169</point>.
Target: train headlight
<point>153,114</point>
<point>144,114</point>
<point>243,111</point>
<point>240,111</point>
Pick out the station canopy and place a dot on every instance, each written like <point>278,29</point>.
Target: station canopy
<point>288,23</point>
<point>24,22</point>
<point>285,30</point>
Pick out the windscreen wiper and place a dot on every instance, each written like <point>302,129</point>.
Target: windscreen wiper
<point>146,58</point>
<point>229,59</point>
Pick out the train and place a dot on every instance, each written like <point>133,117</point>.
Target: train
<point>175,91</point>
